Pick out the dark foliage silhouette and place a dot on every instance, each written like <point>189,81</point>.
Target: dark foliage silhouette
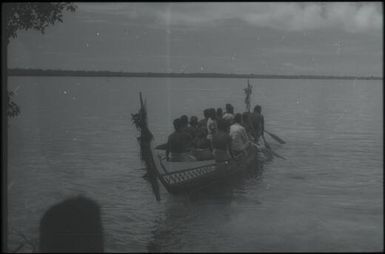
<point>26,16</point>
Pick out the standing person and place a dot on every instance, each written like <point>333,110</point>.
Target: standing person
<point>239,138</point>
<point>246,123</point>
<point>229,115</point>
<point>211,124</point>
<point>203,123</point>
<point>201,144</point>
<point>219,113</point>
<point>221,142</point>
<point>258,122</point>
<point>179,144</point>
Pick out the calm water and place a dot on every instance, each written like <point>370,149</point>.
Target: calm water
<point>74,136</point>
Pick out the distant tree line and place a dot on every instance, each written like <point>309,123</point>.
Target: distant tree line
<point>41,72</point>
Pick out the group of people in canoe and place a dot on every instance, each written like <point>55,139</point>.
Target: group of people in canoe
<point>219,135</point>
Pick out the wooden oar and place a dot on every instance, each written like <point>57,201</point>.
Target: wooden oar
<point>274,153</point>
<point>277,155</point>
<point>276,137</point>
<point>161,147</point>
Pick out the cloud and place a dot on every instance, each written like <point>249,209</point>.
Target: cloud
<point>289,16</point>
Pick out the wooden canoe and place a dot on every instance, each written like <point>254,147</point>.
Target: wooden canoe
<point>180,177</point>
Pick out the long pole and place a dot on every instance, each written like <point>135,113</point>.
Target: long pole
<point>145,146</point>
<point>248,90</point>
<point>4,144</point>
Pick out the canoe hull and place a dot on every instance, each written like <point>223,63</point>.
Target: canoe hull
<point>190,178</point>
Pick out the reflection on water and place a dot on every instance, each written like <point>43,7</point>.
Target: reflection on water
<point>327,195</point>
<point>194,212</point>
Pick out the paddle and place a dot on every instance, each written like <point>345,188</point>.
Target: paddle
<point>274,153</point>
<point>277,155</point>
<point>161,147</point>
<point>276,137</point>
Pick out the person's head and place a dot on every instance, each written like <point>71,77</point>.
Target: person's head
<point>206,113</point>
<point>238,118</point>
<point>184,120</point>
<point>219,113</point>
<point>212,113</point>
<point>193,121</point>
<point>177,124</point>
<point>73,225</point>
<point>258,109</point>
<point>229,108</point>
<point>222,125</point>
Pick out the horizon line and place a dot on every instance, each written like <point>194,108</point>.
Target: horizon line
<point>94,73</point>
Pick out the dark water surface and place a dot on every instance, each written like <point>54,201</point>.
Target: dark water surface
<point>74,136</point>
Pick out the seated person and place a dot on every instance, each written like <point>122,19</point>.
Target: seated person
<point>221,142</point>
<point>239,139</point>
<point>179,144</point>
<point>184,121</point>
<point>193,128</point>
<point>202,146</point>
<point>201,141</point>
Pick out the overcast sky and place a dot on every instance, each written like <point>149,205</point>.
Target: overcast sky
<point>268,38</point>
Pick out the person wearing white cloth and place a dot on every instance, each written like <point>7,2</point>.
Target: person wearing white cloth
<point>239,139</point>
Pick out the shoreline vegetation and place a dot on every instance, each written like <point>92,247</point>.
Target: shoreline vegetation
<point>72,73</point>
